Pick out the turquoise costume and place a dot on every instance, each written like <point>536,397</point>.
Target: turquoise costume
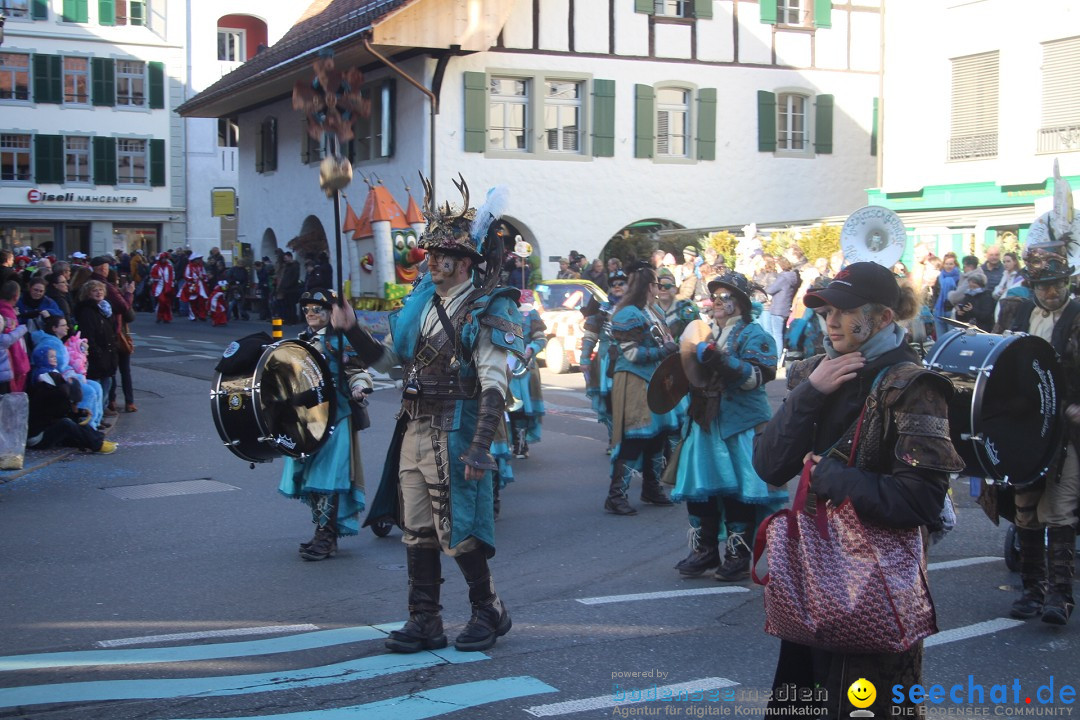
<point>601,366</point>
<point>326,480</point>
<point>639,436</point>
<point>470,503</point>
<point>678,315</point>
<point>525,421</point>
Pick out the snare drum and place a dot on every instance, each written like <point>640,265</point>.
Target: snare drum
<point>285,406</point>
<point>1005,417</point>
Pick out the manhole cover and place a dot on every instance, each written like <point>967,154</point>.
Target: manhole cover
<point>168,489</point>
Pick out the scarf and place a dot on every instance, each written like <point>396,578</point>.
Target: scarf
<point>105,308</point>
<point>883,341</point>
<point>948,280</point>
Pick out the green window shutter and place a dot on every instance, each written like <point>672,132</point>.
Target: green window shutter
<point>768,11</point>
<point>603,141</point>
<point>475,111</point>
<point>703,9</point>
<point>157,163</point>
<point>157,85</point>
<point>48,85</point>
<point>766,121</point>
<point>39,10</point>
<point>823,13</point>
<point>706,137</point>
<point>76,11</point>
<point>48,159</point>
<point>873,129</point>
<point>644,121</point>
<point>260,164</point>
<point>823,113</point>
<point>104,161</point>
<point>644,6</point>
<point>103,82</point>
<point>270,151</point>
<point>106,12</point>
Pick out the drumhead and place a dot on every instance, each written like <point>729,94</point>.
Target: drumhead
<point>1008,396</point>
<point>295,403</point>
<point>232,407</point>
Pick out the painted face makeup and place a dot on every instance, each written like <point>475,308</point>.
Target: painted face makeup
<point>724,306</point>
<point>848,330</point>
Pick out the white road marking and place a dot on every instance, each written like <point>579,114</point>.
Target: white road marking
<point>160,337</point>
<point>661,595</point>
<point>634,697</point>
<point>969,631</point>
<point>205,357</point>
<point>232,632</point>
<point>204,342</point>
<point>947,564</point>
<point>161,350</point>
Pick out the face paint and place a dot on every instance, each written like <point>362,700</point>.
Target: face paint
<point>848,330</point>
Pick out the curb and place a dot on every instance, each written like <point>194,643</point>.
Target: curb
<point>8,476</point>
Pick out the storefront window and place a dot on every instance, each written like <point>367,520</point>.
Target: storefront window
<point>39,237</point>
<point>128,238</point>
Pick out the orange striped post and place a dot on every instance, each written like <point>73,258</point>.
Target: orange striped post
<point>276,322</point>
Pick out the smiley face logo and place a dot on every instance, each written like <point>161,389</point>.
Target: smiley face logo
<point>862,693</point>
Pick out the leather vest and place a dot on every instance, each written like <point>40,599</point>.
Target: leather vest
<point>440,369</point>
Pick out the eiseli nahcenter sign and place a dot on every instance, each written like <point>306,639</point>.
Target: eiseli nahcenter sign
<point>36,197</point>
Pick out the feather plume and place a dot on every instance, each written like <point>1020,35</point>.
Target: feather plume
<point>495,204</point>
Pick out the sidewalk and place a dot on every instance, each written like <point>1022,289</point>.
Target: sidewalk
<point>36,459</point>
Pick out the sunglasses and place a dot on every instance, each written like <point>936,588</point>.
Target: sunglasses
<point>722,297</point>
<point>617,283</point>
<point>314,310</point>
<point>667,286</point>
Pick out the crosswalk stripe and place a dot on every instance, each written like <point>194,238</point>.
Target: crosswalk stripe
<point>660,595</point>
<point>633,697</point>
<point>963,562</point>
<point>217,686</point>
<point>202,635</point>
<point>144,656</point>
<point>425,704</point>
<point>986,627</point>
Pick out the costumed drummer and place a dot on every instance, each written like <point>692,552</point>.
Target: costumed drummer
<point>331,481</point>
<point>599,367</point>
<point>527,412</point>
<point>715,473</point>
<point>452,338</point>
<point>1046,512</point>
<point>900,474</point>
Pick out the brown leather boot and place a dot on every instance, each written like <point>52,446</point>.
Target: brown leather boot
<point>424,628</point>
<point>1032,574</point>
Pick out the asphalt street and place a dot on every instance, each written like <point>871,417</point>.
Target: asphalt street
<point>163,582</point>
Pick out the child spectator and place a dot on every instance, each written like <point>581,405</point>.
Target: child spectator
<point>53,418</point>
<point>18,361</point>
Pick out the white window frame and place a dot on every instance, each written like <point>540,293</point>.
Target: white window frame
<point>673,8</point>
<point>132,154</point>
<point>536,105</point>
<point>240,39</point>
<point>19,9</point>
<point>124,18</point>
<point>7,148</point>
<point>974,106</point>
<point>1059,125</point>
<point>801,10</point>
<point>686,110</point>
<point>786,113</point>
<point>561,106</point>
<point>231,127</point>
<point>507,103</point>
<point>134,80</point>
<point>13,72</point>
<point>76,74</point>
<point>376,130</point>
<point>83,160</point>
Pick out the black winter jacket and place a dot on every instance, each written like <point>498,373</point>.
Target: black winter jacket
<point>100,332</point>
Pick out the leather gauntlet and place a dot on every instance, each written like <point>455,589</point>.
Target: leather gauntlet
<point>490,414</point>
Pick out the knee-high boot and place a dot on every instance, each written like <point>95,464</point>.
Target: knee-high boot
<point>324,515</point>
<point>1059,601</point>
<point>1032,574</point>
<point>424,628</point>
<point>704,540</point>
<point>616,502</point>
<point>651,490</point>
<point>489,620</point>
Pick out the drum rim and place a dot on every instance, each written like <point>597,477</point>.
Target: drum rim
<point>219,422</point>
<point>256,391</point>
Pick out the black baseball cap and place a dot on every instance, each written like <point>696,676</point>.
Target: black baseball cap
<point>101,260</point>
<point>856,285</point>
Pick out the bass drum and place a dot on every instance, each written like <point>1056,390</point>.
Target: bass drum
<point>284,407</point>
<point>1005,417</point>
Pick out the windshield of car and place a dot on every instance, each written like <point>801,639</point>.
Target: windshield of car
<point>569,296</point>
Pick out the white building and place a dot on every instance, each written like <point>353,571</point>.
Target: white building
<point>222,36</point>
<point>91,154</point>
<point>596,114</point>
<point>980,98</point>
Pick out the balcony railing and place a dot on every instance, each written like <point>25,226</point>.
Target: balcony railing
<point>1064,138</point>
<point>973,147</point>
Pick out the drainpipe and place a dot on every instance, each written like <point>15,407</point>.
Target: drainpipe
<point>419,86</point>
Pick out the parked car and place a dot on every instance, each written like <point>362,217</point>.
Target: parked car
<point>560,303</point>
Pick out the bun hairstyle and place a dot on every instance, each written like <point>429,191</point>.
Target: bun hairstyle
<point>907,306</point>
<point>642,275</point>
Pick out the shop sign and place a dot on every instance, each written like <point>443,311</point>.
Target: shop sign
<point>36,197</point>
